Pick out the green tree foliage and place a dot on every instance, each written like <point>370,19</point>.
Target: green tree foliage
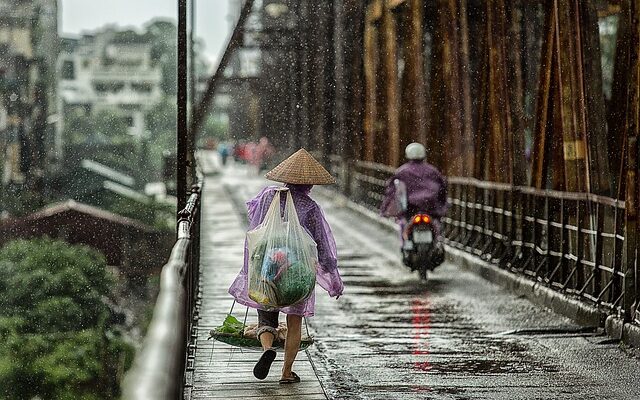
<point>19,201</point>
<point>215,128</point>
<point>161,122</point>
<point>162,36</point>
<point>103,137</point>
<point>100,128</point>
<point>56,338</point>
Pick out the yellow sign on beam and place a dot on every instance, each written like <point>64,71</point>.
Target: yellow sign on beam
<point>574,150</point>
<point>391,4</point>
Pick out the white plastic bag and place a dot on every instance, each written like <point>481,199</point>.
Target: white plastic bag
<point>283,258</point>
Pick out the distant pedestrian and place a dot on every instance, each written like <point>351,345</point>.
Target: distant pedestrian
<point>263,153</point>
<point>299,173</point>
<point>223,150</point>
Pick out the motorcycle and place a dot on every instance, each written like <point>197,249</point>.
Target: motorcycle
<point>421,249</point>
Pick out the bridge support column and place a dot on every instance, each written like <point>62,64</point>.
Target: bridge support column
<point>413,113</point>
<point>631,132</point>
<point>569,139</point>
<point>371,61</point>
<point>391,145</point>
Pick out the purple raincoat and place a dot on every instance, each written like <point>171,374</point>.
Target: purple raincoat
<point>312,219</point>
<point>426,189</point>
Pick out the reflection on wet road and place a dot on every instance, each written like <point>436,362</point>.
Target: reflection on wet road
<point>391,336</point>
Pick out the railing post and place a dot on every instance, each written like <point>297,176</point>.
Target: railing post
<point>631,230</point>
<point>598,259</point>
<point>518,224</point>
<point>630,300</point>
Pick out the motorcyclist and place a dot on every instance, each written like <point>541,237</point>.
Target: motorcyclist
<point>426,189</point>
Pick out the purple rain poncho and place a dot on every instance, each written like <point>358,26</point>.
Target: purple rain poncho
<point>312,219</point>
<point>426,189</point>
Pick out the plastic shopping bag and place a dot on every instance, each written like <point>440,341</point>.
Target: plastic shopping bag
<point>283,258</point>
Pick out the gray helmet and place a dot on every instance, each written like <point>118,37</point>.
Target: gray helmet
<point>415,151</point>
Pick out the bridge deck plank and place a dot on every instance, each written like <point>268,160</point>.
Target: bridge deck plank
<point>221,371</point>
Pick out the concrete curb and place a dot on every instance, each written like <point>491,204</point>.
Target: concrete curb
<point>624,331</point>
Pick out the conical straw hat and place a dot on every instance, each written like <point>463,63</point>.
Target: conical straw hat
<point>301,169</point>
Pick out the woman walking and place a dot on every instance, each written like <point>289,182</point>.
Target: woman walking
<point>299,173</point>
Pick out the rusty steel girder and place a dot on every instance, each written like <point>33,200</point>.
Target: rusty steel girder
<point>570,150</point>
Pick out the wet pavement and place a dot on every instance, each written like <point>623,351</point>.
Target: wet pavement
<point>391,336</point>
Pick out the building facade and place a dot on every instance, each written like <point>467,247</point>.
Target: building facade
<point>109,71</point>
<point>28,52</point>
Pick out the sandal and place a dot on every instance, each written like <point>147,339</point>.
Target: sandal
<point>294,378</point>
<point>261,370</point>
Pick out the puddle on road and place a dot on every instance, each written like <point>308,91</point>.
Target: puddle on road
<point>413,389</point>
<point>483,367</point>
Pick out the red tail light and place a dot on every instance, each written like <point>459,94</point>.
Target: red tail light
<point>421,219</point>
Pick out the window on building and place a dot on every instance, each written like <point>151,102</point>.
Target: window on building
<point>111,87</point>
<point>142,87</point>
<point>68,70</point>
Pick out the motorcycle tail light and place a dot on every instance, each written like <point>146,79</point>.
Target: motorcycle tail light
<point>421,219</point>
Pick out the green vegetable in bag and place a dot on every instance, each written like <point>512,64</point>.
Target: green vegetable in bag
<point>295,284</point>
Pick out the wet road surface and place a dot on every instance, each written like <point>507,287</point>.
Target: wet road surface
<point>391,336</point>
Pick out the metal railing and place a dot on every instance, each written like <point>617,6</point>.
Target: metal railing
<point>158,369</point>
<point>573,243</point>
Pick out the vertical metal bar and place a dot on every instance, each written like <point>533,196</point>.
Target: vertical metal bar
<point>549,213</point>
<point>517,224</point>
<point>599,168</point>
<point>543,114</point>
<point>371,60</point>
<point>183,167</point>
<point>192,58</point>
<point>355,11</point>
<point>465,215</point>
<point>581,221</point>
<point>467,137</point>
<point>598,260</point>
<point>632,174</point>
<point>622,261</point>
<point>504,226</point>
<point>532,212</point>
<point>391,84</point>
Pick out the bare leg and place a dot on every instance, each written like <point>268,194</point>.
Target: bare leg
<point>267,322</point>
<point>266,340</point>
<point>292,344</point>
